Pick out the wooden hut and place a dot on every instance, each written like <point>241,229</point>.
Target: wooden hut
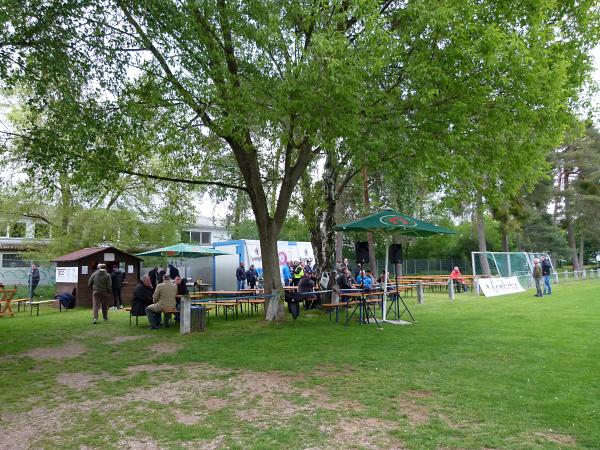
<point>74,269</point>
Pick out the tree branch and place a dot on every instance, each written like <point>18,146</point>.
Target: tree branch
<point>184,180</point>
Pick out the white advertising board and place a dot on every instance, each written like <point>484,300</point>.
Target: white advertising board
<point>492,287</point>
<point>66,274</point>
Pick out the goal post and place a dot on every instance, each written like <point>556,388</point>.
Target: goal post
<point>507,264</point>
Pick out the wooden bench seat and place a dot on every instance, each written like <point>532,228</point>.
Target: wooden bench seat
<point>21,301</point>
<point>36,304</point>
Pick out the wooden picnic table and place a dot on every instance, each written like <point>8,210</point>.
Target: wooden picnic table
<point>6,296</point>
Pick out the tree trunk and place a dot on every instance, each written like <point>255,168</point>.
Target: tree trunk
<point>66,200</point>
<point>581,252</point>
<point>569,221</point>
<point>367,203</point>
<point>485,267</point>
<point>505,238</point>
<point>339,236</point>
<point>272,280</point>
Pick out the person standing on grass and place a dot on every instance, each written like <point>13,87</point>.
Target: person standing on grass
<point>34,277</point>
<point>240,276</point>
<point>164,298</point>
<point>101,285</point>
<point>537,277</point>
<point>546,270</point>
<point>251,277</point>
<point>117,282</point>
<point>153,274</point>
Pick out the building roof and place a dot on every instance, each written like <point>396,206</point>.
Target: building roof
<point>85,252</point>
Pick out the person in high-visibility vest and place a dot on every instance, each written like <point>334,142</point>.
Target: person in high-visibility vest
<point>298,273</point>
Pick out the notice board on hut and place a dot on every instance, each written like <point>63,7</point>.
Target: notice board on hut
<point>73,271</point>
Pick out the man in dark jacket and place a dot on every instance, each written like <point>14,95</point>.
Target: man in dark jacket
<point>251,277</point>
<point>142,296</point>
<point>117,281</point>
<point>240,275</point>
<point>305,286</point>
<point>546,271</point>
<point>182,289</point>
<point>343,281</point>
<point>173,271</point>
<point>153,274</point>
<point>101,285</point>
<point>161,275</point>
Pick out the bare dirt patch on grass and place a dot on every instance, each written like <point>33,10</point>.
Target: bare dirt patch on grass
<point>66,351</point>
<point>140,368</point>
<point>17,432</point>
<point>164,347</point>
<point>194,392</point>
<point>408,405</point>
<point>121,339</point>
<point>559,439</point>
<point>138,444</point>
<point>367,433</point>
<point>77,381</point>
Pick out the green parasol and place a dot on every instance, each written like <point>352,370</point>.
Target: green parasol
<point>183,251</point>
<point>389,222</point>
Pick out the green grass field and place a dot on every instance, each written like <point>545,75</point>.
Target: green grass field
<point>512,372</point>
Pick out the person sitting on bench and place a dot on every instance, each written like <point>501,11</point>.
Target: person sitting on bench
<point>364,281</point>
<point>306,285</point>
<point>457,279</point>
<point>142,296</point>
<point>164,298</point>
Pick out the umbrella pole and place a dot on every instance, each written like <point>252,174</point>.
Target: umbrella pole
<point>385,283</point>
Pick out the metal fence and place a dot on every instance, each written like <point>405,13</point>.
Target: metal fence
<point>432,266</point>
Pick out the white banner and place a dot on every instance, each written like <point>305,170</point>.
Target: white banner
<point>66,274</point>
<point>492,287</point>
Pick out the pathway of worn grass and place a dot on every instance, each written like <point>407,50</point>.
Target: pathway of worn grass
<point>509,372</point>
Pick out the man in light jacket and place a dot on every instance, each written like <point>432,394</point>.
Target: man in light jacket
<point>101,285</point>
<point>164,298</point>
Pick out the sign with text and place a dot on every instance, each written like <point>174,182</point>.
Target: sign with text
<point>492,287</point>
<point>66,274</point>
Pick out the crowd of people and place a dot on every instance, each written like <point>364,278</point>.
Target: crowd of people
<point>161,288</point>
<point>155,292</point>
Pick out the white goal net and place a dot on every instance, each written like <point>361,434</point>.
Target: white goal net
<point>506,264</point>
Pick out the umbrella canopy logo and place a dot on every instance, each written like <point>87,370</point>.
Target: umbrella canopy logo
<point>397,221</point>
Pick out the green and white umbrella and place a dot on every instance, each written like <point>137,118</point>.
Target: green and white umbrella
<point>182,250</point>
<point>391,222</point>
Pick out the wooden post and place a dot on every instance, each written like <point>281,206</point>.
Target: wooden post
<point>450,289</point>
<point>555,277</point>
<point>184,314</point>
<point>420,292</point>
